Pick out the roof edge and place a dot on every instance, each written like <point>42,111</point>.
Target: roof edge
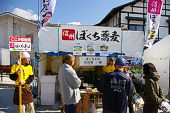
<point>115,10</point>
<point>11,14</point>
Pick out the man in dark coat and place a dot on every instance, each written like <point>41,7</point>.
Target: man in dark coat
<point>116,86</point>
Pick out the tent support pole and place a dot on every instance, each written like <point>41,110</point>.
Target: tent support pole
<point>121,41</point>
<point>58,62</point>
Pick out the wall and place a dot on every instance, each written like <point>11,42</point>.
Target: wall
<point>24,28</point>
<point>3,32</point>
<point>13,26</point>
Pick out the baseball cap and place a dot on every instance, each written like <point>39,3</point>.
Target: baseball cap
<point>25,55</point>
<point>121,62</point>
<point>111,59</point>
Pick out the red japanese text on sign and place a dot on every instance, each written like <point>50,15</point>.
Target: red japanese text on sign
<point>20,39</point>
<point>68,34</point>
<point>154,6</point>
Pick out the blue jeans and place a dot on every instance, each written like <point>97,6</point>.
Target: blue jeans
<point>72,108</point>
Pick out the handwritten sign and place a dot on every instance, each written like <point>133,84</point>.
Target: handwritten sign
<point>93,61</point>
<point>19,43</point>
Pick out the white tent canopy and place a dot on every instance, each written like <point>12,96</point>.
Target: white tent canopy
<point>159,55</point>
<point>128,42</point>
<point>160,49</point>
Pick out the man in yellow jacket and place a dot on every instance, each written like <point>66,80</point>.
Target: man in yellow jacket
<point>27,77</point>
<point>110,67</point>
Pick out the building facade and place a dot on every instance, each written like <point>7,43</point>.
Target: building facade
<point>132,16</point>
<point>13,25</point>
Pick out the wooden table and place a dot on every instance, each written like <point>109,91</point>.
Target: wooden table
<point>83,105</point>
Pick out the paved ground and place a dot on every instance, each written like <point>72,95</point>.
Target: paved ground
<point>6,96</point>
<point>6,104</point>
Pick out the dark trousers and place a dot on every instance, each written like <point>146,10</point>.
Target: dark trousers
<point>105,111</point>
<point>150,108</point>
<point>72,108</point>
<point>130,105</point>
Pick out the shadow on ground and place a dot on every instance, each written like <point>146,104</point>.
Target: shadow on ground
<point>6,101</point>
<point>47,109</point>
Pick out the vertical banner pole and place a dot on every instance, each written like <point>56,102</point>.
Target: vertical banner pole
<point>58,59</point>
<point>58,46</point>
<point>20,90</point>
<point>38,55</point>
<point>122,41</point>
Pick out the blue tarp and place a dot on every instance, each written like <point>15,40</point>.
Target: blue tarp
<point>84,54</point>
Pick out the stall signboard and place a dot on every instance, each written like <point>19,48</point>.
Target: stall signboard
<point>90,49</point>
<point>104,49</point>
<point>77,49</point>
<point>93,35</point>
<point>93,61</point>
<point>19,43</point>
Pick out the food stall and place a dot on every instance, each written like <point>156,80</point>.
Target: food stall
<point>91,45</point>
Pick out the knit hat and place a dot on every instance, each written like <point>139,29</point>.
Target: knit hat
<point>25,55</point>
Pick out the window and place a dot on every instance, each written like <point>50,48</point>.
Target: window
<point>132,27</point>
<point>139,28</point>
<point>136,27</point>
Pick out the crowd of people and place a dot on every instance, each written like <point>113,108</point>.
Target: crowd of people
<point>116,86</point>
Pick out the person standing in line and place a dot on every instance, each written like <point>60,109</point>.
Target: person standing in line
<point>116,86</point>
<point>27,77</point>
<point>69,85</point>
<point>110,67</point>
<point>153,94</point>
<point>131,96</point>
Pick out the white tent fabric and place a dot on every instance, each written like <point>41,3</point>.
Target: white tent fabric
<point>160,49</point>
<point>48,39</point>
<point>132,41</point>
<point>159,55</point>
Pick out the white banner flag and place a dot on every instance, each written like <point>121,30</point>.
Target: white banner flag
<point>46,12</point>
<point>153,20</point>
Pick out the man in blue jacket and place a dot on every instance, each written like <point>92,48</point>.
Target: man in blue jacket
<point>116,86</point>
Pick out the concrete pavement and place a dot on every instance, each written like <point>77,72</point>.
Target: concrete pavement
<point>6,99</point>
<point>6,102</point>
<point>7,106</point>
